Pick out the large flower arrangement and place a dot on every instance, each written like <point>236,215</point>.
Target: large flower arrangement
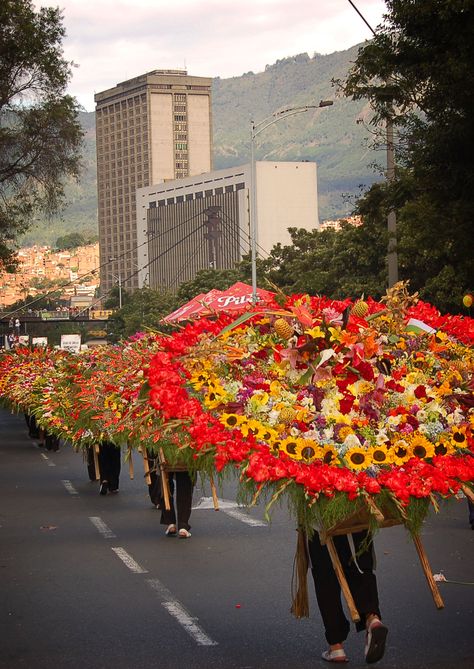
<point>329,409</point>
<point>334,404</point>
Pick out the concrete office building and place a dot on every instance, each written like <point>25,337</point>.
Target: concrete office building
<point>153,128</point>
<point>203,221</point>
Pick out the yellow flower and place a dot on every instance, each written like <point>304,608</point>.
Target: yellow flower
<point>316,332</point>
<point>268,435</point>
<point>421,447</point>
<point>458,437</point>
<point>329,454</point>
<point>336,334</point>
<point>443,447</point>
<point>345,432</point>
<point>308,450</point>
<point>231,419</point>
<point>290,445</point>
<point>358,458</point>
<point>400,452</point>
<point>216,395</point>
<point>381,455</point>
<point>251,426</point>
<point>259,400</point>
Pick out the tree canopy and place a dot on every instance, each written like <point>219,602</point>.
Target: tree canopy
<point>419,71</point>
<point>40,135</point>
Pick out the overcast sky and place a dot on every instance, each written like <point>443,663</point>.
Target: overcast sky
<point>114,40</point>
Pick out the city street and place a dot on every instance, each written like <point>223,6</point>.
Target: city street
<point>92,581</point>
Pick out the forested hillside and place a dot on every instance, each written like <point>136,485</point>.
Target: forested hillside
<point>335,137</point>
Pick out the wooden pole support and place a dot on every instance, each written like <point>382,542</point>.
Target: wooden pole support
<point>468,492</point>
<point>146,466</point>
<point>428,573</point>
<point>130,463</point>
<point>164,481</point>
<point>336,563</point>
<point>214,493</point>
<point>95,450</point>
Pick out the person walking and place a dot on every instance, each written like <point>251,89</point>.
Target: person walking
<point>357,558</point>
<point>176,518</point>
<point>109,467</point>
<point>180,487</point>
<point>471,512</point>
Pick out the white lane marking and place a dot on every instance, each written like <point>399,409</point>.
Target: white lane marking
<point>105,531</point>
<point>129,561</point>
<point>244,518</point>
<point>183,617</point>
<point>231,509</point>
<point>69,487</point>
<point>48,461</point>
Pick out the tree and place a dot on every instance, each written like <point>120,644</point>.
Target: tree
<point>72,241</point>
<point>419,71</point>
<point>205,280</point>
<point>338,264</point>
<point>40,134</point>
<point>143,310</point>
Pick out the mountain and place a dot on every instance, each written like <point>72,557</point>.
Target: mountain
<point>335,137</point>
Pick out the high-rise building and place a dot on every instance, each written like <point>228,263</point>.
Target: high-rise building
<point>150,129</point>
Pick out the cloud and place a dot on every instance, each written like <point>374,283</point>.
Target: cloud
<point>113,40</point>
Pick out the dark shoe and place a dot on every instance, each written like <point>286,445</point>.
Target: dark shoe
<point>104,486</point>
<point>375,641</point>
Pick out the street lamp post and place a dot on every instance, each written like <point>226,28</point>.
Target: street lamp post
<point>255,130</point>
<point>119,280</point>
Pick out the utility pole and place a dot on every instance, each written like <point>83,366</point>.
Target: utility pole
<point>392,255</point>
<point>213,234</point>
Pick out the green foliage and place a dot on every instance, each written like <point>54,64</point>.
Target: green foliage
<point>338,264</point>
<point>72,241</point>
<point>40,135</point>
<point>142,311</point>
<point>205,280</point>
<point>419,71</point>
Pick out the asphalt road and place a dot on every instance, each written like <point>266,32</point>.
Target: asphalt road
<point>91,581</point>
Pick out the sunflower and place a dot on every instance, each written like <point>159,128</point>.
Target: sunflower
<point>400,452</point>
<point>443,447</point>
<point>290,446</point>
<point>308,450</point>
<point>268,435</point>
<point>458,437</point>
<point>358,458</point>
<point>420,447</point>
<point>381,454</point>
<point>329,454</point>
<point>251,426</point>
<point>231,420</point>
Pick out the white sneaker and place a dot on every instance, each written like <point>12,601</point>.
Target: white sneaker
<point>171,531</point>
<point>184,534</point>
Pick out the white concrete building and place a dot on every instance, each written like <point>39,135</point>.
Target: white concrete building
<point>198,222</point>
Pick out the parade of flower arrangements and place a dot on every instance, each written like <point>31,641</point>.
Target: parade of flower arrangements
<point>325,404</point>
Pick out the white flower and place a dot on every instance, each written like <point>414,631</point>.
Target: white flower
<point>351,441</point>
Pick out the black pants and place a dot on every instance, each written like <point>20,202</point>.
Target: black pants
<point>360,578</point>
<point>109,464</point>
<point>182,484</point>
<point>471,512</point>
